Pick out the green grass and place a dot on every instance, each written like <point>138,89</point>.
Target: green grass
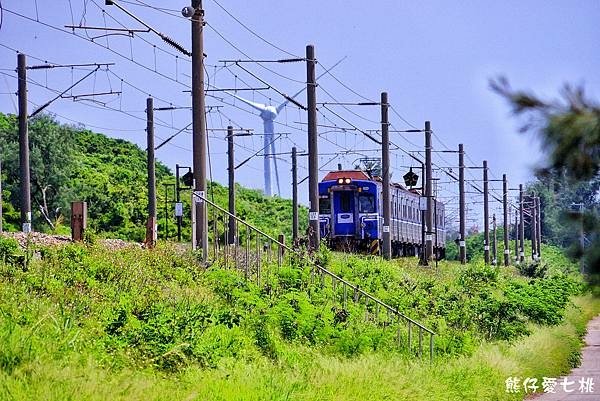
<point>81,323</point>
<point>309,375</point>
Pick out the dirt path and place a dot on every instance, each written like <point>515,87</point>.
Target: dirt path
<point>579,380</point>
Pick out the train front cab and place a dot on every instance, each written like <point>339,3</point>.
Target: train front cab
<point>348,213</point>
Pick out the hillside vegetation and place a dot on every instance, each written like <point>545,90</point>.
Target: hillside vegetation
<point>70,163</point>
<point>81,323</point>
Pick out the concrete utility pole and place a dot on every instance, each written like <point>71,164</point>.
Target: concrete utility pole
<point>533,228</point>
<point>151,231</point>
<point>24,145</point>
<point>385,161</point>
<point>516,236</point>
<point>422,259</point>
<point>521,226</point>
<point>461,206</point>
<point>428,194</point>
<point>313,152</point>
<point>294,196</point>
<point>539,226</point>
<point>199,127</point>
<point>486,216</point>
<point>505,222</point>
<point>231,186</point>
<point>494,242</point>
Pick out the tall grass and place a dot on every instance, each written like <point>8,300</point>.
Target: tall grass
<point>81,323</point>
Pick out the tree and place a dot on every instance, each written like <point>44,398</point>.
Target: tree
<point>569,130</point>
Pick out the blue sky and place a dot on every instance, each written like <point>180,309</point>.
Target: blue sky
<point>434,58</point>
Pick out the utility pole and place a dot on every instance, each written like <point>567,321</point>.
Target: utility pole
<point>505,222</point>
<point>24,145</point>
<point>199,127</point>
<point>461,201</point>
<point>494,242</point>
<point>313,153</point>
<point>385,160</point>
<point>428,194</point>
<point>422,259</point>
<point>151,231</point>
<point>486,217</point>
<point>231,173</point>
<point>178,201</point>
<point>516,237</point>
<point>521,226</point>
<point>539,226</point>
<point>533,228</point>
<point>294,196</point>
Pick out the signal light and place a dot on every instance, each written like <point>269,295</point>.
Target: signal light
<point>188,179</point>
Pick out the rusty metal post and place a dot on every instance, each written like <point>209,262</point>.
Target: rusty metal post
<point>78,220</point>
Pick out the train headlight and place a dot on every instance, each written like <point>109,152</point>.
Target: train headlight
<point>347,180</point>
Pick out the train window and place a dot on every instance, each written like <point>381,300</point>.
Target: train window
<point>345,201</point>
<point>324,205</point>
<point>366,203</point>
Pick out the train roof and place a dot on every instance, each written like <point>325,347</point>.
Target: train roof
<point>353,174</point>
<point>362,175</point>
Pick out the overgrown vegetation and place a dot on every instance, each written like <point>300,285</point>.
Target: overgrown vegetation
<point>71,163</point>
<point>120,319</point>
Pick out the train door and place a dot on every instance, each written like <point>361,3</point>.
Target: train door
<point>343,213</point>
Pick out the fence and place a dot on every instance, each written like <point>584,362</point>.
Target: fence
<point>233,243</point>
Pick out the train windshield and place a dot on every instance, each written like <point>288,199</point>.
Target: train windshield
<point>366,203</point>
<point>324,205</point>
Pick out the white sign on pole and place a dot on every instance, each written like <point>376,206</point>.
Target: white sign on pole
<point>423,203</point>
<point>199,196</point>
<point>178,209</point>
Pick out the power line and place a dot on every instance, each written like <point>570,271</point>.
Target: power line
<point>253,32</point>
<point>230,43</point>
<point>130,59</point>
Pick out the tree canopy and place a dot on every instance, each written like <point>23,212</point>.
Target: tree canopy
<point>70,163</point>
<point>569,129</point>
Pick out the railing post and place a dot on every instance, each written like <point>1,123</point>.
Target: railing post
<point>409,336</point>
<point>420,342</point>
<point>430,347</point>
<point>281,249</point>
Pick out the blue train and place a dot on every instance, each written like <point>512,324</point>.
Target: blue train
<point>351,215</point>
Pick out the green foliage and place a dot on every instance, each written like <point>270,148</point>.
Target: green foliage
<point>83,309</point>
<point>467,304</point>
<point>69,163</point>
<point>9,250</point>
<point>569,130</point>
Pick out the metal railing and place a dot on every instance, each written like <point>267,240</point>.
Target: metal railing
<point>238,244</point>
